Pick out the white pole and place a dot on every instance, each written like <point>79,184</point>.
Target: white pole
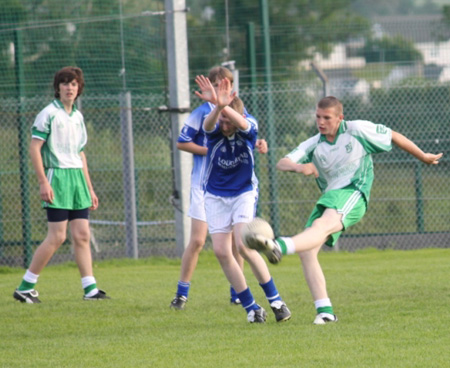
<point>179,100</point>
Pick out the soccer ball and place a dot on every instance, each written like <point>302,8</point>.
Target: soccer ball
<point>257,226</point>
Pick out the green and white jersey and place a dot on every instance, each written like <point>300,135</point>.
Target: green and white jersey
<point>347,160</point>
<point>64,135</point>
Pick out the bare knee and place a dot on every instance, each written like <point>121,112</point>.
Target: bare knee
<point>222,254</point>
<point>81,236</point>
<point>243,250</point>
<point>196,244</point>
<point>55,239</point>
<point>327,226</point>
<point>309,255</point>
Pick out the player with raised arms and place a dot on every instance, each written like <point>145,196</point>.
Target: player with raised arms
<point>231,198</point>
<point>192,139</point>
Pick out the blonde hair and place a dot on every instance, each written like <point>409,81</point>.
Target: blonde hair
<point>237,105</point>
<point>218,73</point>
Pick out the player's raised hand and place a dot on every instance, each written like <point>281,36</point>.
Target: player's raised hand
<point>224,95</point>
<point>207,91</point>
<point>431,159</point>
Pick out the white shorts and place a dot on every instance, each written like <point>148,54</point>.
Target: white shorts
<point>197,206</point>
<point>222,213</point>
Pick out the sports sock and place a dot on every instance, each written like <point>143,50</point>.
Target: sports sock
<point>183,288</point>
<point>271,291</point>
<point>89,285</point>
<point>233,293</point>
<point>324,306</point>
<point>247,300</point>
<point>287,245</point>
<point>28,282</point>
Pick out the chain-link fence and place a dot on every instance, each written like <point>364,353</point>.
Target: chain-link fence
<point>410,202</point>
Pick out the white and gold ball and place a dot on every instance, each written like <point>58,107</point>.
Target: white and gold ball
<point>257,226</point>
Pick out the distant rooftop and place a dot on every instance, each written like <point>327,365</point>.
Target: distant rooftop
<point>418,29</point>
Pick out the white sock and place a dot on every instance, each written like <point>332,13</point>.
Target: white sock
<point>322,303</point>
<point>86,281</point>
<point>30,277</point>
<point>288,243</point>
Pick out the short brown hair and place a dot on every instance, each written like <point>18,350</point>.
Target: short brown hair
<point>218,73</point>
<point>331,101</point>
<point>237,105</point>
<point>66,75</point>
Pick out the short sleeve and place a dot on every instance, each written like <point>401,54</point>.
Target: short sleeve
<point>41,126</point>
<point>373,137</point>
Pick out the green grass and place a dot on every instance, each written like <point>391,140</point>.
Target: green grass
<point>392,305</point>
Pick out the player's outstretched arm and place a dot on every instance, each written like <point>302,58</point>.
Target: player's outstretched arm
<point>286,164</point>
<point>192,147</point>
<point>409,146</point>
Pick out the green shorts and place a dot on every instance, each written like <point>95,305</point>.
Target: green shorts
<point>70,189</point>
<point>348,201</point>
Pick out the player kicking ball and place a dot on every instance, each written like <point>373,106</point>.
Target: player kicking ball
<point>341,161</point>
<point>231,197</point>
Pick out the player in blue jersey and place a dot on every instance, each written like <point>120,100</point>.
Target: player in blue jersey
<point>341,155</point>
<point>231,197</point>
<point>56,150</point>
<point>192,139</point>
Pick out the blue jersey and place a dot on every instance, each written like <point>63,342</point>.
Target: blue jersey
<point>231,162</point>
<point>193,132</point>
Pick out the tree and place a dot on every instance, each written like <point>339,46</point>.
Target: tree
<point>86,33</point>
<point>390,49</point>
<point>297,28</point>
<point>11,13</point>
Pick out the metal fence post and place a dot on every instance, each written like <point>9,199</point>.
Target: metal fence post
<point>251,57</point>
<point>129,187</point>
<point>271,137</point>
<point>419,197</point>
<point>23,152</point>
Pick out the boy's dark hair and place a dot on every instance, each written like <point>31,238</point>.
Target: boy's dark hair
<point>237,105</point>
<point>218,73</point>
<point>66,75</point>
<point>331,101</point>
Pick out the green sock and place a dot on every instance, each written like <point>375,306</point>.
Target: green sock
<point>25,285</point>
<point>89,288</point>
<point>328,310</point>
<point>282,245</point>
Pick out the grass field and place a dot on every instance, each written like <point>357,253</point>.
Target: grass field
<point>393,308</point>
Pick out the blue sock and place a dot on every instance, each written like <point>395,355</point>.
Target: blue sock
<point>183,288</point>
<point>271,291</point>
<point>247,300</point>
<point>233,293</point>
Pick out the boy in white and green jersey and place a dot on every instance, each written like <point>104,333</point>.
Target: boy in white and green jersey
<point>340,159</point>
<point>65,137</point>
<point>56,150</point>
